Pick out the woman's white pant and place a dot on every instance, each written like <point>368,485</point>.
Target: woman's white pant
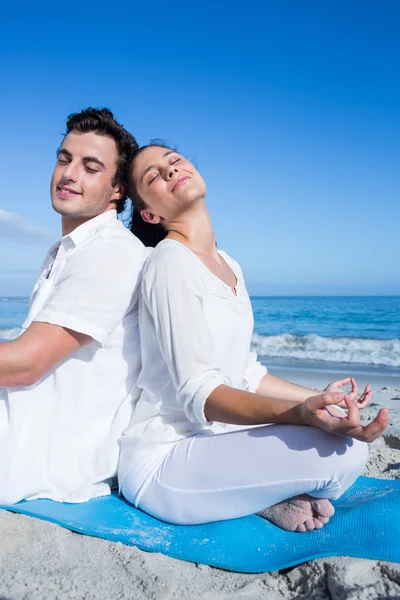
<point>211,477</point>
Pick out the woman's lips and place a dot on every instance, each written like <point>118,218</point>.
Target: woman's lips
<point>180,181</point>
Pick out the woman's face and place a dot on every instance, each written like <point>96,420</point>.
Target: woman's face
<point>167,182</point>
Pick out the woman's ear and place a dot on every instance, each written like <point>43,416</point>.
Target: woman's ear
<point>150,217</point>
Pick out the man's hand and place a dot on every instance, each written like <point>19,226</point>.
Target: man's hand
<point>315,413</point>
<point>40,348</point>
<point>361,402</point>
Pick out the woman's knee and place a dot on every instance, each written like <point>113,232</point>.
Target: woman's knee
<point>357,456</point>
<point>350,467</point>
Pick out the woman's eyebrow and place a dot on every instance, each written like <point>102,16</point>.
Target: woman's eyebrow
<point>153,166</point>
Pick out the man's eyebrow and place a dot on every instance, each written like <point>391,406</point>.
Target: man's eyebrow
<point>95,160</point>
<point>153,166</point>
<point>64,151</point>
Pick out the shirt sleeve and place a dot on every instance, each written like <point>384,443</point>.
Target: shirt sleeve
<point>253,374</point>
<point>173,294</point>
<point>96,288</point>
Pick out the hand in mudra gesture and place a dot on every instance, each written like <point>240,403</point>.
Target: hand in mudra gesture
<point>315,413</point>
<point>361,402</point>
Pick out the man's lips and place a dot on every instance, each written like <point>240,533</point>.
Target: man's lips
<point>179,182</point>
<point>65,191</point>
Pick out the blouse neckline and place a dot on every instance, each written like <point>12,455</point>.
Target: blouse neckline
<point>234,290</point>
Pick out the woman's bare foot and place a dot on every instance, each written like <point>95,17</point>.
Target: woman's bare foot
<point>301,513</point>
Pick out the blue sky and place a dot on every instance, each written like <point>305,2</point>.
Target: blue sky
<point>289,109</point>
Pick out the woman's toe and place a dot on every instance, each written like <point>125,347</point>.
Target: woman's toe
<point>309,524</point>
<point>323,520</point>
<point>323,507</point>
<point>318,523</point>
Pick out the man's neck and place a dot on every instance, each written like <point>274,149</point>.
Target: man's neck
<point>69,224</point>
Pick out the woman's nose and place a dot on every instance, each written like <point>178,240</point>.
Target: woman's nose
<point>171,171</point>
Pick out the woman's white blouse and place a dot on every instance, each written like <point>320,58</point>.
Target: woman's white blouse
<point>195,335</point>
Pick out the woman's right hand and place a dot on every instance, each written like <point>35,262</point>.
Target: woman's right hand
<point>314,413</point>
<point>362,401</point>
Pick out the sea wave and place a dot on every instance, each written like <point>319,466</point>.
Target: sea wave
<point>9,334</point>
<point>329,349</point>
<point>310,347</point>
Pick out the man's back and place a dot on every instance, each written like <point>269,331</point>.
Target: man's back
<point>60,441</point>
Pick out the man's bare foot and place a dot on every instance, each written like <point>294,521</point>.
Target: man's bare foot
<point>301,513</point>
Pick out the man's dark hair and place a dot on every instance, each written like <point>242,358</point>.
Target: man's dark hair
<point>102,122</point>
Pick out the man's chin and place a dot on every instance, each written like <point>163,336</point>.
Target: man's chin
<point>64,209</point>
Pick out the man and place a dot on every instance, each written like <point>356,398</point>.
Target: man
<point>68,382</point>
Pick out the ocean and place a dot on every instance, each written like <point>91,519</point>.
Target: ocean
<point>361,334</point>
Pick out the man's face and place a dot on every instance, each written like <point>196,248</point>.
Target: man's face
<point>81,186</point>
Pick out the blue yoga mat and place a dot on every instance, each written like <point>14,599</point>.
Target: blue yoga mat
<point>366,525</point>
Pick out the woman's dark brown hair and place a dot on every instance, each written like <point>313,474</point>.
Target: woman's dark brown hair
<point>148,234</point>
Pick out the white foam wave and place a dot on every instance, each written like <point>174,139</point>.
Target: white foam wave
<point>329,349</point>
<point>9,334</point>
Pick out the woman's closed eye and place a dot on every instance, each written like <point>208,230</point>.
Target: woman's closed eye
<point>153,177</point>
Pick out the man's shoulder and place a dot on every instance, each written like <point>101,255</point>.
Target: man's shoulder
<point>114,233</point>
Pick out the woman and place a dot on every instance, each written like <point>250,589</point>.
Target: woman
<point>213,436</point>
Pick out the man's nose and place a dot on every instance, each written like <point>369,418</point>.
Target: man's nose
<point>71,171</point>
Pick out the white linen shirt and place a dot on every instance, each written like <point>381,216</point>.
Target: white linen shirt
<point>59,437</point>
<point>195,335</point>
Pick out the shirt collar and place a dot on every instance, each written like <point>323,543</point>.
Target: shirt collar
<point>82,232</point>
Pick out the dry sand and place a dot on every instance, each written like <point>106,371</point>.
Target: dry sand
<point>39,560</point>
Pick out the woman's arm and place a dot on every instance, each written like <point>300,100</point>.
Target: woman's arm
<point>229,405</point>
<point>274,387</point>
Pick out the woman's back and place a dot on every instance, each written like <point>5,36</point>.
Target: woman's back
<point>195,335</point>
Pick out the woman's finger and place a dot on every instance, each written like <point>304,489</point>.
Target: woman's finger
<point>353,414</point>
<point>374,429</point>
<point>354,388</point>
<point>364,399</point>
<point>326,399</point>
<point>342,382</point>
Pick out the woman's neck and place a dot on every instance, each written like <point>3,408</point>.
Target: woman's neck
<point>194,229</point>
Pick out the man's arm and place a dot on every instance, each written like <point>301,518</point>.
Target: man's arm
<point>40,348</point>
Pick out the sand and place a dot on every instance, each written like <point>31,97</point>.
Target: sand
<point>40,560</point>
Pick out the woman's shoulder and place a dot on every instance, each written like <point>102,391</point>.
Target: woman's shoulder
<point>171,262</point>
<point>169,251</point>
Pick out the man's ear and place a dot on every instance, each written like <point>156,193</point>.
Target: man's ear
<point>118,193</point>
<point>150,217</point>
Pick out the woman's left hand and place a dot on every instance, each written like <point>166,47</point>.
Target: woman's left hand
<point>361,402</point>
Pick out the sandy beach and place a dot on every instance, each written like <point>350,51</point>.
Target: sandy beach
<point>40,560</point>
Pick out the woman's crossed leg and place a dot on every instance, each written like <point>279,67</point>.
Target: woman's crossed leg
<point>211,477</point>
